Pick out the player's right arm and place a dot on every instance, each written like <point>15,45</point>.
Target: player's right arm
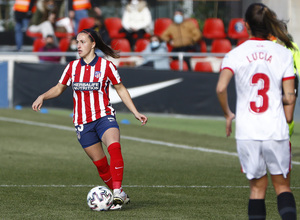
<point>221,90</point>
<point>54,92</point>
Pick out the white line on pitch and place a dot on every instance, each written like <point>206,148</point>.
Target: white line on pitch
<point>61,127</point>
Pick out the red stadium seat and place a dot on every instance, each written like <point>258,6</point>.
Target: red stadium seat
<point>38,43</point>
<point>237,29</point>
<point>64,44</point>
<point>141,45</point>
<point>174,65</point>
<point>86,23</point>
<point>34,34</point>
<point>213,28</point>
<point>161,24</point>
<point>113,26</point>
<point>221,46</point>
<point>121,44</point>
<point>204,66</point>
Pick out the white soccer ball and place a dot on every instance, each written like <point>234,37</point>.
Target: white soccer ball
<point>100,198</point>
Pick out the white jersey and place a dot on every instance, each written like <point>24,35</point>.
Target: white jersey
<point>259,67</point>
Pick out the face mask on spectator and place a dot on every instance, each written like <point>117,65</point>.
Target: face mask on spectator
<point>73,47</point>
<point>178,19</point>
<point>134,2</point>
<point>154,44</point>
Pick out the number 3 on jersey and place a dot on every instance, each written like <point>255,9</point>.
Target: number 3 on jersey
<point>261,92</point>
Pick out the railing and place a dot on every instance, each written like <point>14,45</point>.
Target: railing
<point>14,55</point>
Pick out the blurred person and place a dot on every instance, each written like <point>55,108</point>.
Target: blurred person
<point>136,21</point>
<point>289,109</point>
<point>79,9</point>
<point>46,28</point>
<point>156,47</point>
<point>23,10</point>
<point>262,70</point>
<point>72,48</point>
<point>43,9</point>
<point>101,29</point>
<point>182,35</point>
<point>50,46</point>
<point>94,117</point>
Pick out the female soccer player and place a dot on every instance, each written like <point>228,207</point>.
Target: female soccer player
<point>261,69</point>
<point>94,117</point>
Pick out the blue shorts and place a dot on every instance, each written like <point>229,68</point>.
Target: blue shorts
<point>91,133</point>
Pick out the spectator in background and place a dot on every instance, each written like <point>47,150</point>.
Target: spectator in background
<point>50,46</point>
<point>78,9</point>
<point>43,9</point>
<point>136,20</point>
<point>47,27</point>
<point>182,35</point>
<point>72,48</point>
<point>23,10</point>
<point>101,29</point>
<point>156,47</point>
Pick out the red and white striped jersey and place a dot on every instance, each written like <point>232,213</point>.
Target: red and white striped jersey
<point>90,83</point>
<point>259,67</point>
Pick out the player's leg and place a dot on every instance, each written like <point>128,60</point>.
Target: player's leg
<point>278,160</point>
<point>285,199</point>
<point>256,205</point>
<point>253,165</point>
<point>97,155</point>
<point>111,138</point>
<point>91,143</point>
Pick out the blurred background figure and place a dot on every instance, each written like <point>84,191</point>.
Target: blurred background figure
<point>47,27</point>
<point>156,46</point>
<point>101,29</point>
<point>43,9</point>
<point>23,10</point>
<point>183,35</point>
<point>79,9</point>
<point>136,21</point>
<point>50,46</point>
<point>72,48</point>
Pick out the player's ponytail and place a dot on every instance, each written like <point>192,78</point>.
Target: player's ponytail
<point>95,37</point>
<point>263,23</point>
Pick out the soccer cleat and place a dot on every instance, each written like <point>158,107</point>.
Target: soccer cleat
<point>120,198</point>
<point>125,199</point>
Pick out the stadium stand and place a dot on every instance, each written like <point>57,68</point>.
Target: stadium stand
<point>221,46</point>
<point>141,45</point>
<point>86,23</point>
<point>203,66</point>
<point>161,24</point>
<point>214,28</point>
<point>237,29</point>
<point>174,65</point>
<point>38,44</point>
<point>64,44</point>
<point>113,26</point>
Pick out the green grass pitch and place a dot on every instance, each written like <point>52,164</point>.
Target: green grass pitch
<point>175,168</point>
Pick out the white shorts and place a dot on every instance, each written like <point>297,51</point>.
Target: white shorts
<point>258,156</point>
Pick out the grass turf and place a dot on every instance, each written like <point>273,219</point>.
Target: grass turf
<point>44,173</point>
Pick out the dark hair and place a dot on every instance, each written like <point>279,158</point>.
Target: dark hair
<point>95,37</point>
<point>264,23</point>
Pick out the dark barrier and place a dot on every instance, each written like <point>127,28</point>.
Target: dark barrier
<point>152,90</point>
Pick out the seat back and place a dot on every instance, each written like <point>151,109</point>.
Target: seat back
<point>161,24</point>
<point>141,44</point>
<point>221,46</point>
<point>237,29</point>
<point>174,65</point>
<point>85,23</point>
<point>38,43</point>
<point>113,26</point>
<point>64,44</point>
<point>214,28</point>
<point>203,66</point>
<point>121,44</point>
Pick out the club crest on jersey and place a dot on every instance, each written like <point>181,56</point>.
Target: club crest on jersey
<point>97,74</point>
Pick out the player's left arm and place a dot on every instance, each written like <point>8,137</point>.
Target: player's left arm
<point>126,98</point>
<point>221,90</point>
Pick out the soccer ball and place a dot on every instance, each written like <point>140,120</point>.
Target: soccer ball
<point>100,198</point>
